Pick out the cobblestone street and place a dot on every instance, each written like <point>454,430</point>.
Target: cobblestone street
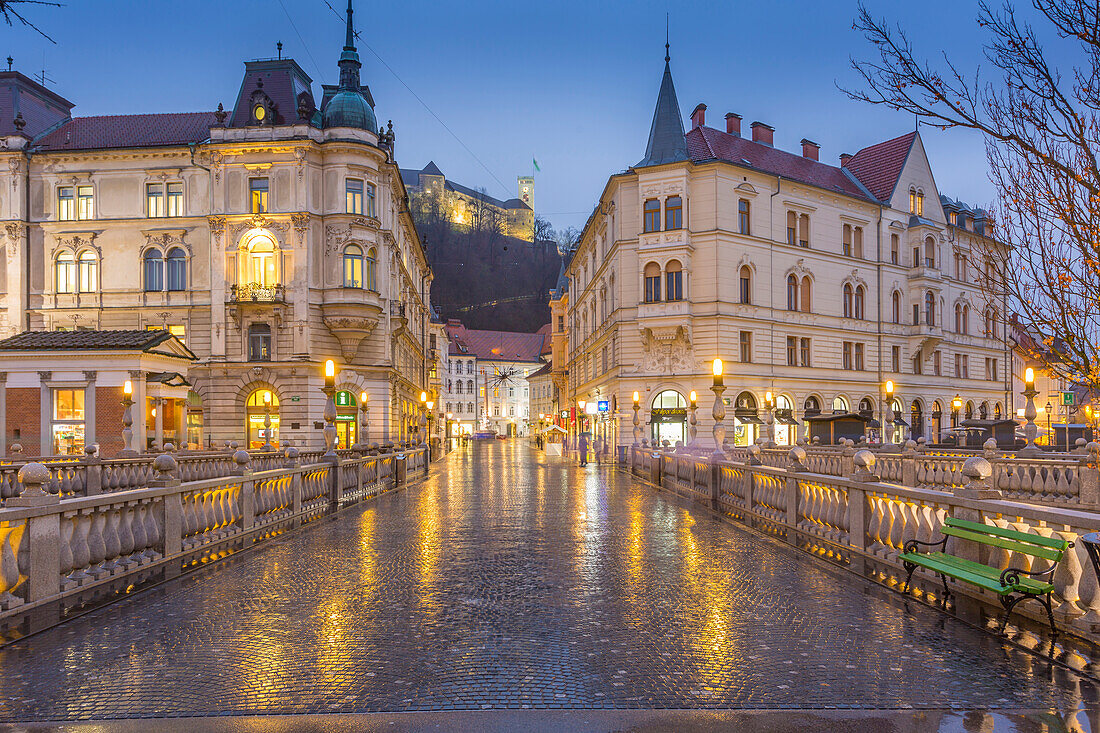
<point>509,580</point>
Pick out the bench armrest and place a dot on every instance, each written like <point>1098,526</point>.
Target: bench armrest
<point>1011,576</point>
<point>911,545</point>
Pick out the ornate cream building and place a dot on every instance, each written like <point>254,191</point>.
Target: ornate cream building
<point>268,238</point>
<point>816,283</point>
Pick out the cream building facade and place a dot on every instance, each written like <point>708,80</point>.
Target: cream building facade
<point>815,283</point>
<point>267,238</point>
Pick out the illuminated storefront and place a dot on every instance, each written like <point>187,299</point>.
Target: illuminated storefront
<point>668,417</point>
<point>256,414</point>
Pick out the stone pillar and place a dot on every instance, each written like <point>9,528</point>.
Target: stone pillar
<point>158,423</point>
<point>90,437</point>
<point>976,471</point>
<point>43,540</point>
<point>45,410</point>
<point>1088,475</point>
<point>3,413</point>
<point>295,481</point>
<point>93,471</point>
<point>140,427</point>
<point>847,456</point>
<point>181,424</point>
<point>909,464</point>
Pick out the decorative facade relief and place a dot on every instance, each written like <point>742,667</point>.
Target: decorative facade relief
<point>666,350</point>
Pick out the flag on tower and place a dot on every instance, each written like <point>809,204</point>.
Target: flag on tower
<point>536,164</point>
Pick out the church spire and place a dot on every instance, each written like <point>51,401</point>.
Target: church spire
<point>666,135</point>
<point>349,59</point>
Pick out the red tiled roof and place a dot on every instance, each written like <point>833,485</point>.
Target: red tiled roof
<point>706,143</point>
<point>498,345</point>
<point>877,167</point>
<point>130,131</point>
<point>545,332</point>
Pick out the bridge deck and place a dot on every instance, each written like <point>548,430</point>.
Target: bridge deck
<point>509,580</point>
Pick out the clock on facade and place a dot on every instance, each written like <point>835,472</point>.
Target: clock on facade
<point>259,112</point>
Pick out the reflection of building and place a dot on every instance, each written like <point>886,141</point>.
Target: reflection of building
<point>61,392</point>
<point>267,238</point>
<point>502,361</point>
<point>464,206</point>
<point>814,282</point>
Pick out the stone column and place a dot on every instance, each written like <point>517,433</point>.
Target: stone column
<point>1088,476</point>
<point>89,409</point>
<point>3,413</point>
<point>158,423</point>
<point>45,411</point>
<point>137,378</point>
<point>43,540</point>
<point>181,423</point>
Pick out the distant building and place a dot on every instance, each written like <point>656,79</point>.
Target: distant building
<point>468,207</point>
<point>541,383</point>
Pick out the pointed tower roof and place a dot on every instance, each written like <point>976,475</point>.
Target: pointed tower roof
<point>666,134</point>
<point>348,105</point>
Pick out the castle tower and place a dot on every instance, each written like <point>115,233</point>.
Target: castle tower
<point>526,190</point>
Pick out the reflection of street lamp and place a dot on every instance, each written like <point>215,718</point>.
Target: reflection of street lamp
<point>267,420</point>
<point>956,405</point>
<point>693,425</point>
<point>718,411</point>
<point>888,414</point>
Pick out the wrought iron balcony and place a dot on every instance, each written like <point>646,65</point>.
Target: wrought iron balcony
<point>257,293</point>
<point>397,310</point>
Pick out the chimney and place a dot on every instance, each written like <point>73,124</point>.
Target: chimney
<point>733,124</point>
<point>698,115</point>
<point>844,158</point>
<point>762,133</point>
<point>810,149</point>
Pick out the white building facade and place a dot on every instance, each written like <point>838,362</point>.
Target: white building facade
<point>816,284</point>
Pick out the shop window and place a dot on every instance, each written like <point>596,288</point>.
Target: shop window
<point>67,425</point>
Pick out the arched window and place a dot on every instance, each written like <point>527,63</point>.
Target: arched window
<point>969,410</point>
<point>860,298</point>
<point>811,406</point>
<point>470,384</point>
<point>930,308</point>
<point>916,418</point>
<point>353,266</point>
<point>261,267</point>
<point>895,307</point>
<point>866,407</point>
<point>652,283</point>
<point>920,202</point>
<point>87,271</point>
<point>65,272</point>
<point>652,218</point>
<point>792,293</point>
<point>965,320</point>
<point>153,271</point>
<point>991,322</point>
<point>805,300</point>
<point>983,410</point>
<point>370,274</point>
<point>176,269</point>
<point>840,404</point>
<point>912,200</point>
<point>746,284</point>
<point>674,212</point>
<point>929,252</point>
<point>674,281</point>
<point>997,411</point>
<point>259,405</point>
<point>847,300</point>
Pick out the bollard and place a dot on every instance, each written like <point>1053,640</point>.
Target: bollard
<point>655,467</point>
<point>399,468</point>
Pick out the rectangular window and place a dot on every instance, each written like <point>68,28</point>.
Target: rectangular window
<point>653,289</point>
<point>804,348</point>
<point>894,249</point>
<point>258,189</point>
<point>743,216</point>
<point>792,351</point>
<point>918,366</point>
<point>895,359</point>
<point>673,212</point>
<point>85,206</point>
<point>154,200</point>
<point>652,215</point>
<point>67,426</point>
<point>848,355</point>
<point>175,199</point>
<point>66,203</point>
<point>859,357</point>
<point>674,285</point>
<point>178,330</point>
<point>561,323</point>
<point>259,342</point>
<point>746,346</point>
<point>937,364</point>
<point>354,190</point>
<point>194,428</point>
<point>792,227</point>
<point>857,243</point>
<point>963,362</point>
<point>846,244</point>
<point>803,230</point>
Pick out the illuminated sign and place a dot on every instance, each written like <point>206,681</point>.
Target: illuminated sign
<point>604,405</point>
<point>344,399</point>
<point>590,408</point>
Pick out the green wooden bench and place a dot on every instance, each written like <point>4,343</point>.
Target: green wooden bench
<point>1013,585</point>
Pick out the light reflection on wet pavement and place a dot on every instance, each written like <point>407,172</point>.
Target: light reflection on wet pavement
<point>512,580</point>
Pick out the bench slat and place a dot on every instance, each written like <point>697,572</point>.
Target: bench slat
<point>1027,583</point>
<point>1006,544</point>
<point>947,565</point>
<point>1012,534</point>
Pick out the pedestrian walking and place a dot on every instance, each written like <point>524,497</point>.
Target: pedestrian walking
<point>582,447</point>
<point>597,448</point>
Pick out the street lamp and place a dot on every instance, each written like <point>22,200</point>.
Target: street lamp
<point>1050,409</point>
<point>127,419</point>
<point>363,420</point>
<point>718,411</point>
<point>422,425</point>
<point>693,425</point>
<point>888,416</point>
<point>330,410</point>
<point>956,405</point>
<point>1030,413</point>
<point>769,407</point>
<point>637,421</point>
<point>267,420</point>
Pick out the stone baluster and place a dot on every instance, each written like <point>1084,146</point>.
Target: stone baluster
<point>41,535</point>
<point>10,535</point>
<point>80,553</point>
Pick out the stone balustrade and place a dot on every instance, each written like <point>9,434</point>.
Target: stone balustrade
<point>863,520</point>
<point>60,552</point>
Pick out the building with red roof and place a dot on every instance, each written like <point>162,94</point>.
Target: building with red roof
<point>815,281</point>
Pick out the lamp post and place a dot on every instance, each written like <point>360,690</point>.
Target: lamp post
<point>581,404</point>
<point>718,412</point>
<point>429,405</point>
<point>888,416</point>
<point>267,420</point>
<point>956,405</point>
<point>127,419</point>
<point>769,407</point>
<point>637,420</point>
<point>1050,442</point>
<point>693,423</point>
<point>1030,413</point>
<point>420,428</point>
<point>330,410</point>
<point>362,421</point>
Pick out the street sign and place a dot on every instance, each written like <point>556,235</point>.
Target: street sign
<point>1067,398</point>
<point>295,398</point>
<point>603,405</point>
<point>343,399</point>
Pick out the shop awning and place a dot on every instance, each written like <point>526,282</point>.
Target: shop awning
<point>900,422</point>
<point>748,419</point>
<point>786,420</point>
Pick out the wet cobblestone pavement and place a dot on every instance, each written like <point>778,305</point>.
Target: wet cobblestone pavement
<point>509,580</point>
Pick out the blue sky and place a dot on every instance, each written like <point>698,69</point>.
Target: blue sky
<point>570,83</point>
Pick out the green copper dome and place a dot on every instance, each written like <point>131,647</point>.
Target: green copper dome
<point>349,109</point>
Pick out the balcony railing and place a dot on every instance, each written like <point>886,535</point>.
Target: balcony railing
<point>257,293</point>
<point>397,309</point>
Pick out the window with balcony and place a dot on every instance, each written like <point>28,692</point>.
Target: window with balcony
<point>746,284</point>
<point>353,189</point>
<point>259,342</point>
<point>353,266</point>
<point>929,252</point>
<point>674,207</point>
<point>744,221</point>
<point>674,281</point>
<point>260,264</point>
<point>652,283</point>
<point>257,188</point>
<point>153,270</point>
<point>652,215</point>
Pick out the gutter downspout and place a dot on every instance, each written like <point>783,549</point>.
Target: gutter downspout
<point>27,241</point>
